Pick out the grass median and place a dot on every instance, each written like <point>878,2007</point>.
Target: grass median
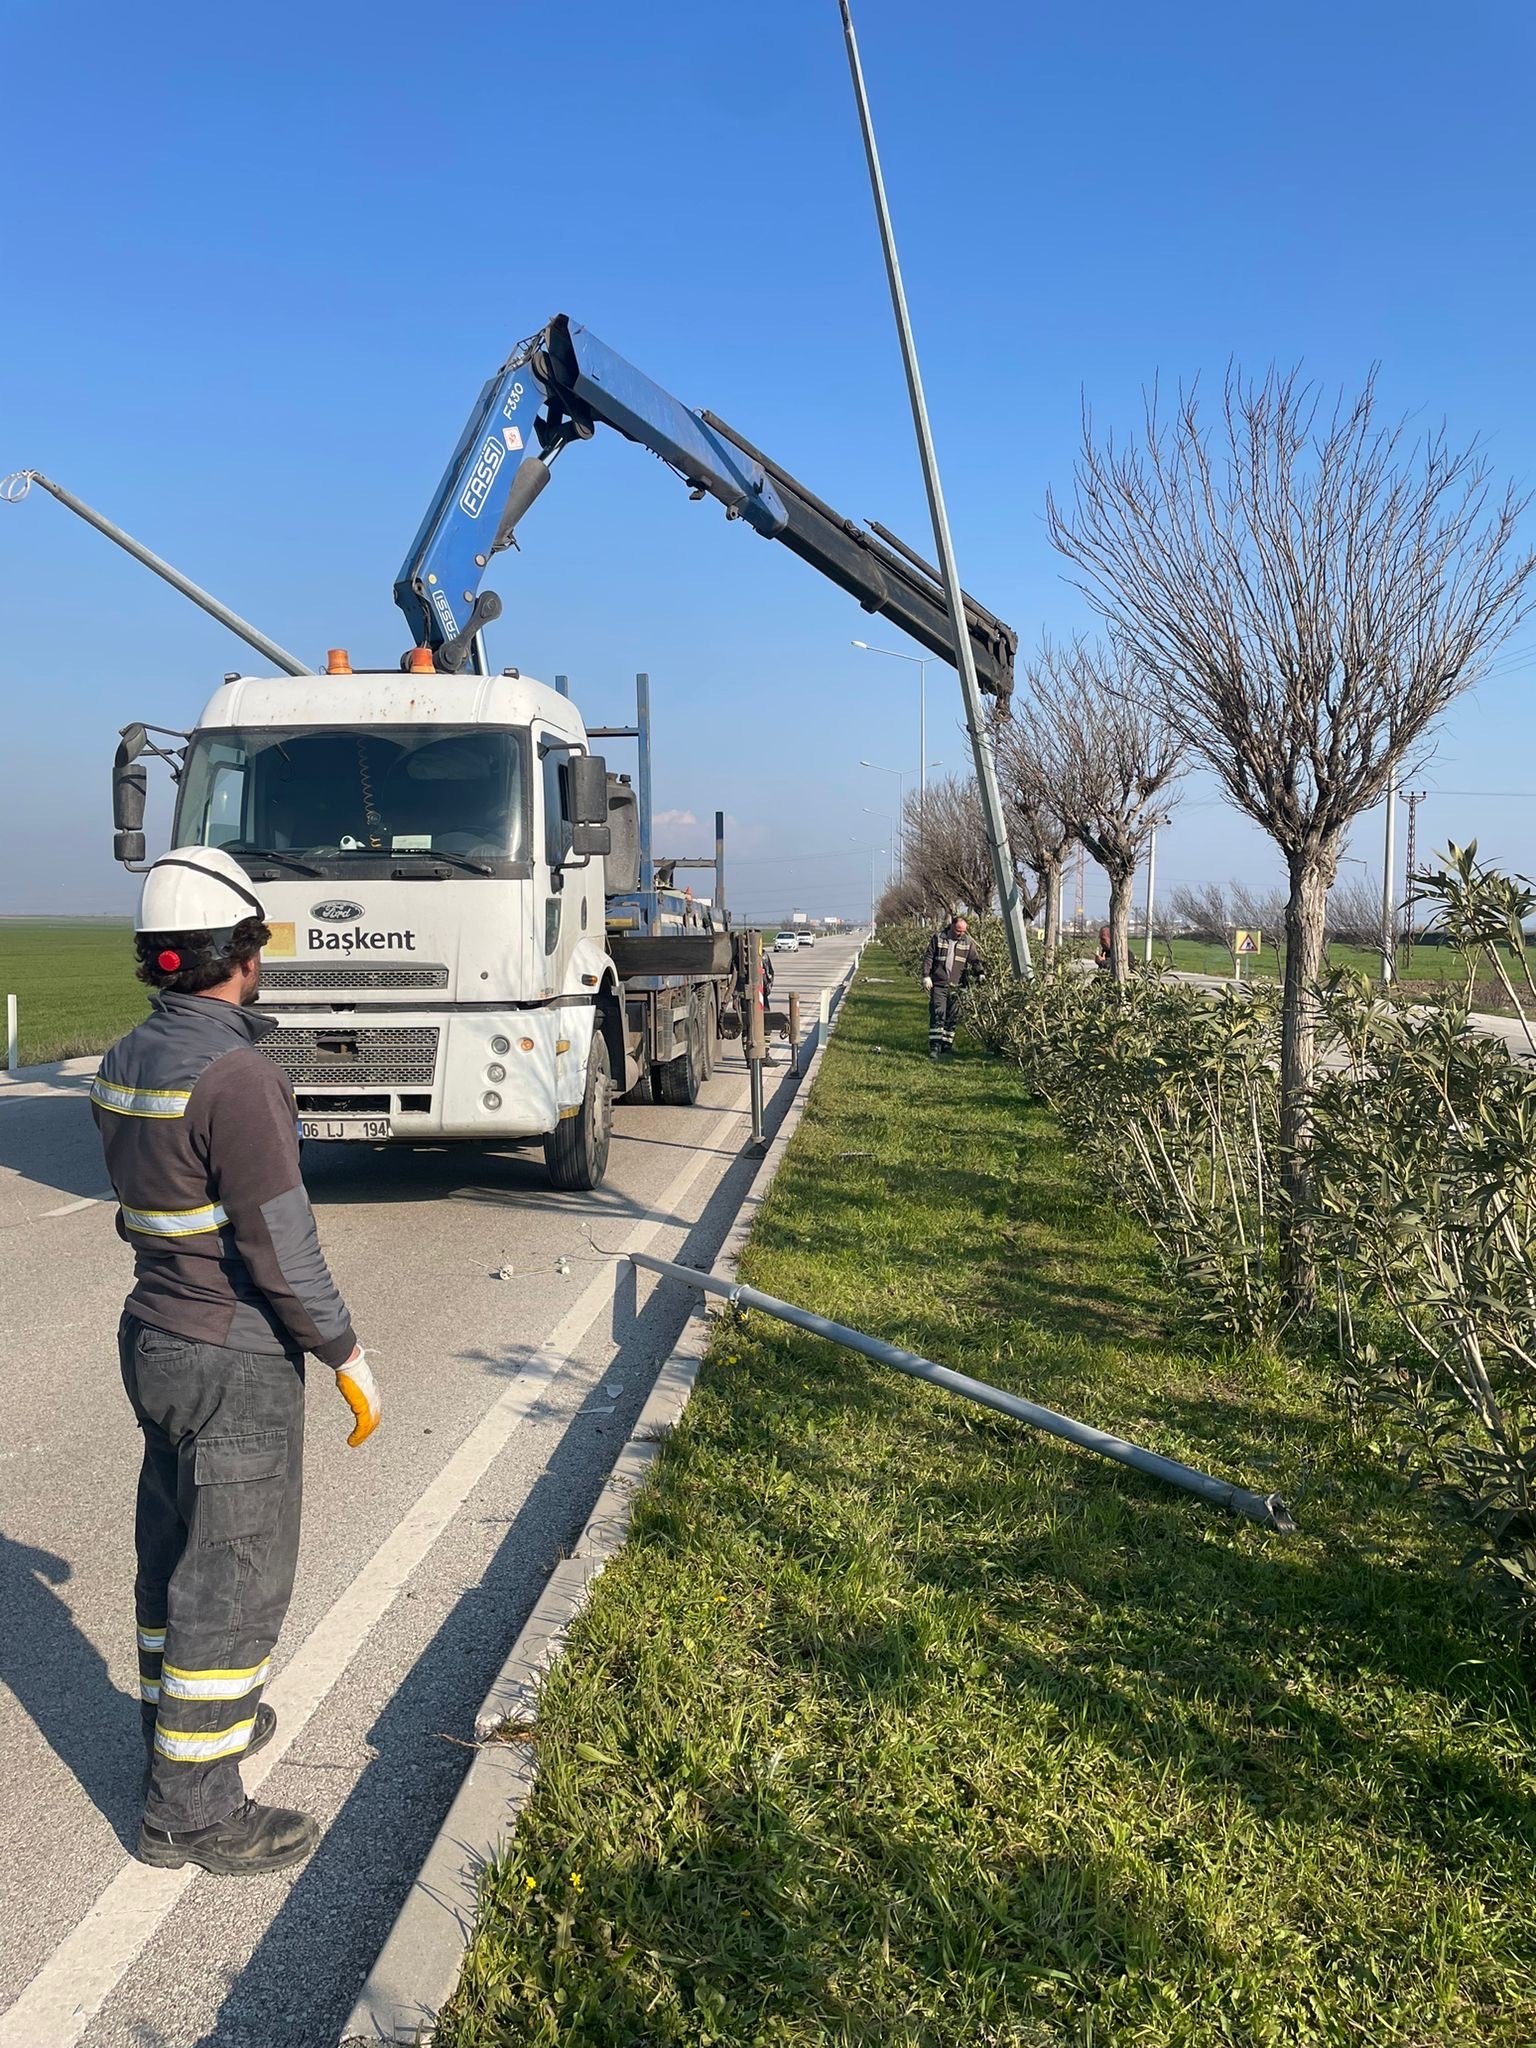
<point>896,1723</point>
<point>73,981</point>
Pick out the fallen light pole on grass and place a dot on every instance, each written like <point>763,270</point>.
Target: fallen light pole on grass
<point>1267,1509</point>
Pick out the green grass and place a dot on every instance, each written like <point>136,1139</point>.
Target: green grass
<point>73,982</point>
<point>898,1724</point>
<point>1427,964</point>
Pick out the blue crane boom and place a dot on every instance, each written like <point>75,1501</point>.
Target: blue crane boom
<point>560,386</point>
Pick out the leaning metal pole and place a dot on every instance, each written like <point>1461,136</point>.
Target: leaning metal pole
<point>965,660</point>
<point>15,488</point>
<point>1268,1509</point>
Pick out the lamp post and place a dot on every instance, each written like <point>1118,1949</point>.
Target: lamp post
<point>1151,887</point>
<point>1004,880</point>
<point>920,663</point>
<point>890,859</point>
<point>901,774</point>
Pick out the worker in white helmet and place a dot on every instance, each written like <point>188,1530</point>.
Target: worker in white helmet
<point>230,1291</point>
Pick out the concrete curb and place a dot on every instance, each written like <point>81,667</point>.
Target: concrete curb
<point>74,1068</point>
<point>418,1967</point>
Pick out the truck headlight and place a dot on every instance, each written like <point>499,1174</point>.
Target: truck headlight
<point>500,1044</point>
<point>495,1071</point>
<point>490,1099</point>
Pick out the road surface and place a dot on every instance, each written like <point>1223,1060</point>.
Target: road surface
<point>506,1402</point>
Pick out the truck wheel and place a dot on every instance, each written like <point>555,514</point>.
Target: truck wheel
<point>679,1080</point>
<point>576,1150</point>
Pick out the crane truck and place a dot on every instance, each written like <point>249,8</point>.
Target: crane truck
<point>472,937</point>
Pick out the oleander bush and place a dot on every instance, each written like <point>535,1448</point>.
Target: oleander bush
<point>1422,1180</point>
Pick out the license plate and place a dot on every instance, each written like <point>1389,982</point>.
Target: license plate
<point>357,1128</point>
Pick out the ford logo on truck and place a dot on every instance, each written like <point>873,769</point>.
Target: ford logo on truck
<point>339,912</point>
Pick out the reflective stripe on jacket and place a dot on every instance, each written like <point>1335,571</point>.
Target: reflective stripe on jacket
<point>967,963</point>
<point>200,1134</point>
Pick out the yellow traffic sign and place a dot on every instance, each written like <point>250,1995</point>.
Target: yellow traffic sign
<point>1247,942</point>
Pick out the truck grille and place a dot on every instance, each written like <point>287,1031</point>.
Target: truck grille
<point>354,977</point>
<point>368,1057</point>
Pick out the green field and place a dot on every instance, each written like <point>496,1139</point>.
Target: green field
<point>1427,963</point>
<point>1422,972</point>
<point>73,981</point>
<point>897,1725</point>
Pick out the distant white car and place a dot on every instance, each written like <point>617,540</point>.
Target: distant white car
<point>786,942</point>
<point>807,939</point>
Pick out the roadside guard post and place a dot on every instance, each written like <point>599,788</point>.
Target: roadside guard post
<point>1267,1509</point>
<point>757,1043</point>
<point>794,1032</point>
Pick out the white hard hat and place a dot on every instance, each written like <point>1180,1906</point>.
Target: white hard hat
<point>196,889</point>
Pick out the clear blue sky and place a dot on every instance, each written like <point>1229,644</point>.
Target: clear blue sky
<point>257,263</point>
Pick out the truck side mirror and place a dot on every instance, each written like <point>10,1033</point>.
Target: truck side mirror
<point>589,791</point>
<point>130,786</point>
<point>589,839</point>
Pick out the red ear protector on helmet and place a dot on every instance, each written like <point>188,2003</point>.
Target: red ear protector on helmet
<point>168,962</point>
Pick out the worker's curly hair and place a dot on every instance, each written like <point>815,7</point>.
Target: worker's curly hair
<point>204,959</point>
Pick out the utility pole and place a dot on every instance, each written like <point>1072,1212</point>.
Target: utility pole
<point>1079,876</point>
<point>965,660</point>
<point>1389,885</point>
<point>1412,798</point>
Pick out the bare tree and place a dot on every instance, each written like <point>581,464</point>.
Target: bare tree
<point>1354,913</point>
<point>1214,914</point>
<point>902,899</point>
<point>949,857</point>
<point>1308,590</point>
<point>1201,913</point>
<point>1028,772</point>
<point>1116,758</point>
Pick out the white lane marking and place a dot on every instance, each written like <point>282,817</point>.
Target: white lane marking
<point>72,1208</point>
<point>91,1961</point>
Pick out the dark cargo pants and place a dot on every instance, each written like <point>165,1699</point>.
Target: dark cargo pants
<point>943,1014</point>
<point>217,1535</point>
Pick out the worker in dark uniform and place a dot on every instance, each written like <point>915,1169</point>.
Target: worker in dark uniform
<point>951,963</point>
<point>230,1291</point>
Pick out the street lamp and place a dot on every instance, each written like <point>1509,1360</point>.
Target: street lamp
<point>901,775</point>
<point>890,861</point>
<point>920,662</point>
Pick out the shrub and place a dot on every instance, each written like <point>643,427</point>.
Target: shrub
<point>1423,1195</point>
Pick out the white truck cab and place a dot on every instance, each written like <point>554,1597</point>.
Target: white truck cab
<point>437,963</point>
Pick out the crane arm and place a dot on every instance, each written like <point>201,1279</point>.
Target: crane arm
<point>559,387</point>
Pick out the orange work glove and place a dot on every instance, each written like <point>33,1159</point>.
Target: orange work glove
<point>360,1390</point>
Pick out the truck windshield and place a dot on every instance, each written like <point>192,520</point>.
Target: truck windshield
<point>341,796</point>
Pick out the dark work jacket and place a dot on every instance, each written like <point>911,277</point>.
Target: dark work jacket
<point>968,966</point>
<point>201,1140</point>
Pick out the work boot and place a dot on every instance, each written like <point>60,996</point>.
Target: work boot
<point>253,1840</point>
<point>261,1734</point>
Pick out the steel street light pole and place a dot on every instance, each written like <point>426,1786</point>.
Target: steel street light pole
<point>1151,890</point>
<point>965,660</point>
<point>920,663</point>
<point>898,835</point>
